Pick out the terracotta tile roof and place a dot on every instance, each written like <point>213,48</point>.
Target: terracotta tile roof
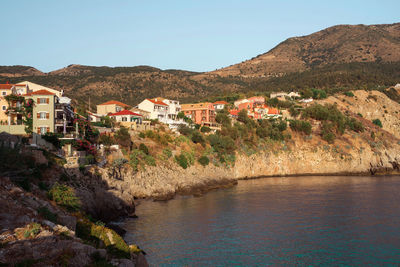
<point>273,111</point>
<point>6,86</point>
<point>156,102</point>
<point>221,102</point>
<point>234,112</point>
<point>114,102</point>
<point>204,105</point>
<point>41,92</point>
<point>125,112</point>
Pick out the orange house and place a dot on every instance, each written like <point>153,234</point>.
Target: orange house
<point>200,113</point>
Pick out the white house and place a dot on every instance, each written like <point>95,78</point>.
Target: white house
<point>173,107</point>
<point>158,109</point>
<point>240,101</point>
<point>127,116</point>
<point>219,105</point>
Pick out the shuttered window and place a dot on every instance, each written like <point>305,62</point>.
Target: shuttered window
<point>43,100</point>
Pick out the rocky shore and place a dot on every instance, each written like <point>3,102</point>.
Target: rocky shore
<point>351,155</point>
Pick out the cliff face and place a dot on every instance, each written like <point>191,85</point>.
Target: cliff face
<point>349,155</point>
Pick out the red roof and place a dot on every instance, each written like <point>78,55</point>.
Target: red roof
<point>157,102</point>
<point>114,102</point>
<point>6,86</point>
<point>125,112</point>
<point>221,102</point>
<point>234,112</point>
<point>40,92</point>
<point>273,111</point>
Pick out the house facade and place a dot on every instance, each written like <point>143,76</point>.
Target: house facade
<point>200,113</point>
<point>112,106</point>
<point>127,118</point>
<point>158,109</point>
<point>50,113</point>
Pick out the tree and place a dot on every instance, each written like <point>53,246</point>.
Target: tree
<point>242,116</point>
<point>123,137</point>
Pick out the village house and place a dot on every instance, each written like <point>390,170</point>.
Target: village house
<point>127,118</point>
<point>283,95</point>
<point>200,113</point>
<point>158,109</point>
<point>112,106</point>
<point>220,105</point>
<point>51,112</point>
<point>145,114</point>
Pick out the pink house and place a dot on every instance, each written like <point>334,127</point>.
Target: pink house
<point>200,113</point>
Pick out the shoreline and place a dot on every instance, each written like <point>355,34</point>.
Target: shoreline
<point>201,189</point>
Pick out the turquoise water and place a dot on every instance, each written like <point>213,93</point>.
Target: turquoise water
<point>276,221</point>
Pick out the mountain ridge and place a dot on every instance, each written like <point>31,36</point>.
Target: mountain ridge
<point>362,56</point>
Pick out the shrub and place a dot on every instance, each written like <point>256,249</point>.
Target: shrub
<point>143,148</point>
<point>52,138</point>
<point>122,137</point>
<point>197,138</point>
<point>167,153</point>
<point>349,94</point>
<point>205,129</point>
<point>142,135</point>
<point>301,126</point>
<point>377,122</point>
<point>149,160</point>
<point>64,196</point>
<point>355,125</point>
<point>294,112</point>
<point>328,132</point>
<point>32,231</point>
<point>106,140</point>
<point>222,144</point>
<point>242,116</point>
<point>204,160</point>
<point>182,161</point>
<point>185,130</point>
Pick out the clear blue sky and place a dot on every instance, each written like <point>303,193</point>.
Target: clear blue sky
<point>198,35</point>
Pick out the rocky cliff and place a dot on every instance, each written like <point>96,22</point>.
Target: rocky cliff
<point>352,154</point>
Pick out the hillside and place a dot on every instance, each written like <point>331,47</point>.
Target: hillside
<point>338,58</point>
<point>334,45</point>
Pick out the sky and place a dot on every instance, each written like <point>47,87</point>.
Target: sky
<point>195,35</point>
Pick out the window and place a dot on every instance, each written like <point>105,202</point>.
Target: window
<point>43,115</point>
<point>4,107</point>
<point>3,93</point>
<point>118,109</point>
<point>43,129</point>
<point>43,100</point>
<point>124,119</point>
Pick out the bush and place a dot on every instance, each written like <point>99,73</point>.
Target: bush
<point>294,112</point>
<point>122,137</point>
<point>182,161</point>
<point>377,122</point>
<point>142,135</point>
<point>167,153</point>
<point>349,94</point>
<point>197,138</point>
<point>64,196</point>
<point>204,160</point>
<point>301,126</point>
<point>222,144</point>
<point>143,148</point>
<point>106,140</point>
<point>328,132</point>
<point>52,138</point>
<point>205,129</point>
<point>185,130</point>
<point>149,160</point>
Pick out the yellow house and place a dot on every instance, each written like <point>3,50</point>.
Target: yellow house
<point>111,107</point>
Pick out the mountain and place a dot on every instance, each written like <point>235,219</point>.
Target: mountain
<point>19,71</point>
<point>334,45</point>
<point>339,57</point>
